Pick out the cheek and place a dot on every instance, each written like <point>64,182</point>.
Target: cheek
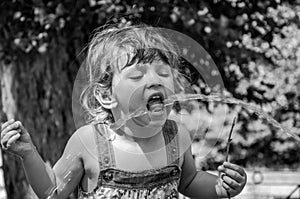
<point>129,96</point>
<point>135,97</point>
<point>170,86</point>
<point>115,81</point>
<point>178,87</point>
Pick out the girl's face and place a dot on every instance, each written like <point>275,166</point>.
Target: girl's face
<point>144,85</point>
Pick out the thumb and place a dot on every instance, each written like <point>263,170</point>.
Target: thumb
<point>21,127</point>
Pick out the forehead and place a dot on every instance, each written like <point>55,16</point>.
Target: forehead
<point>157,64</point>
<point>128,57</point>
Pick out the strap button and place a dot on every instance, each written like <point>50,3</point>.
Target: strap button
<point>106,160</point>
<point>108,176</point>
<point>173,149</point>
<point>174,172</point>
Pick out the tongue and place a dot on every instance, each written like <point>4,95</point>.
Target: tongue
<point>155,106</point>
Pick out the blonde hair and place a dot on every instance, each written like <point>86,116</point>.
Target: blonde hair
<point>139,44</point>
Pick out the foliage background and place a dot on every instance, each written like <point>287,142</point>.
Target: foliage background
<point>255,45</point>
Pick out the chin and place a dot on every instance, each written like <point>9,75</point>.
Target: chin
<point>153,118</point>
<point>148,125</point>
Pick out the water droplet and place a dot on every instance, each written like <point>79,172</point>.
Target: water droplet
<point>210,98</point>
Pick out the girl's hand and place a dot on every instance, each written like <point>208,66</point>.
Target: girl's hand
<point>16,139</point>
<point>233,179</point>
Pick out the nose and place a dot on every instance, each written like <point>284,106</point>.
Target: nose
<point>154,80</point>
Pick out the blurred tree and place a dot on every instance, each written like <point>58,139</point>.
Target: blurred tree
<point>255,45</point>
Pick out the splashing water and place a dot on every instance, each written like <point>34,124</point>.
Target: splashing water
<point>209,98</point>
<point>182,98</point>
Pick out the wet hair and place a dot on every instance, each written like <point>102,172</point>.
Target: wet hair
<point>108,49</point>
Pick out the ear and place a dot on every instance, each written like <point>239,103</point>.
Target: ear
<point>107,101</point>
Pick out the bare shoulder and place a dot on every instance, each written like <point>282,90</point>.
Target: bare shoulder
<point>82,137</point>
<point>84,130</point>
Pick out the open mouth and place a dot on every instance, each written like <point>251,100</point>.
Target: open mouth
<point>155,102</point>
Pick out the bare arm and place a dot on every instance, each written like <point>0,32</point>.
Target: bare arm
<point>58,182</point>
<point>69,169</point>
<point>200,184</point>
<point>40,175</point>
<point>196,184</point>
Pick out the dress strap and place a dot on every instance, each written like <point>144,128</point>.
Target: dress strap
<point>170,132</point>
<point>106,156</point>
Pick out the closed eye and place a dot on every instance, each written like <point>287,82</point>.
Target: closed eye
<point>164,74</point>
<point>136,76</point>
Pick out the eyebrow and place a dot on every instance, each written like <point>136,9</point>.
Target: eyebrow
<point>124,67</point>
<point>139,65</point>
<point>128,65</point>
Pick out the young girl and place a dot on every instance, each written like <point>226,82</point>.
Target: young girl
<point>129,68</point>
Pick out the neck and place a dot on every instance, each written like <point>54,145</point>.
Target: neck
<point>144,135</point>
<point>140,129</point>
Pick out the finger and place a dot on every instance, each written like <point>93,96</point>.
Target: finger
<point>234,175</point>
<point>7,136</point>
<point>5,124</point>
<point>221,168</point>
<point>20,125</point>
<point>12,126</point>
<point>13,139</point>
<point>234,167</point>
<point>231,183</point>
<point>222,175</point>
<point>228,189</point>
<point>225,186</point>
